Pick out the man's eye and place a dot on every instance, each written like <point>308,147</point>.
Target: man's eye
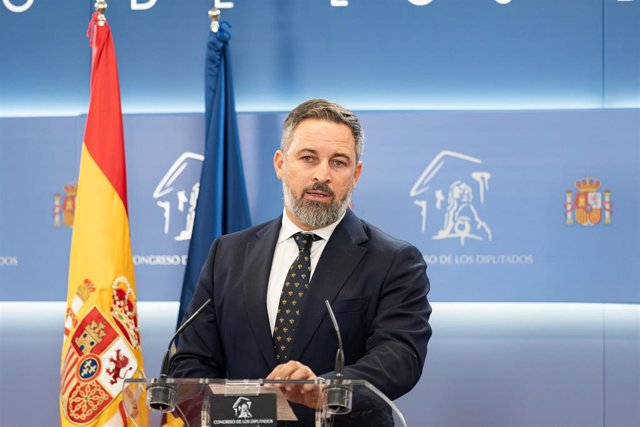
<point>339,163</point>
<point>307,158</point>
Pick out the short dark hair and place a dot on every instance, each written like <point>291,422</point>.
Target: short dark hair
<point>323,109</point>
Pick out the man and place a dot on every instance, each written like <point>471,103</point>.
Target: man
<point>269,320</point>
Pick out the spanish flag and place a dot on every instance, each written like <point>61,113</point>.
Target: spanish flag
<point>101,337</point>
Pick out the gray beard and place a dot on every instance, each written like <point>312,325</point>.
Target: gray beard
<point>315,214</point>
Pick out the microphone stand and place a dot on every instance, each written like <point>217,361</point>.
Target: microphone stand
<point>161,394</point>
<point>339,395</point>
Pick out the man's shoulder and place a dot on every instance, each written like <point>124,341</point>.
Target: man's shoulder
<point>251,232</point>
<point>380,239</point>
<point>384,252</point>
<point>377,236</point>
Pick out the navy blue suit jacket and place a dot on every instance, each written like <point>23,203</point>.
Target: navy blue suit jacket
<point>377,286</point>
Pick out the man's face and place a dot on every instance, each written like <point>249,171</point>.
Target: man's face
<point>318,172</point>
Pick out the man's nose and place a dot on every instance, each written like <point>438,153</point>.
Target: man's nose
<point>322,172</point>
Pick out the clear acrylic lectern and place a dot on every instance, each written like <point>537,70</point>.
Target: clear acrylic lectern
<point>259,403</point>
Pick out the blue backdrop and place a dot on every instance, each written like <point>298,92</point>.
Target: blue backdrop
<point>481,117</point>
<point>482,194</point>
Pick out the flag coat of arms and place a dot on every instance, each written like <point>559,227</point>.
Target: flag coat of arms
<point>101,338</point>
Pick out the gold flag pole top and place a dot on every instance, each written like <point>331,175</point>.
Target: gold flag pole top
<point>101,6</point>
<point>214,14</point>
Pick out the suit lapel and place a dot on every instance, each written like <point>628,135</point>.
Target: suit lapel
<point>257,266</point>
<point>338,260</point>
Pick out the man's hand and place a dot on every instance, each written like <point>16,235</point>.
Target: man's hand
<point>308,394</point>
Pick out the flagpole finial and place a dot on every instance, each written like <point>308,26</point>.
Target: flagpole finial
<point>101,6</point>
<point>214,15</point>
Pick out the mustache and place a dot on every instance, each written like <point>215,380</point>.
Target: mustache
<point>319,186</point>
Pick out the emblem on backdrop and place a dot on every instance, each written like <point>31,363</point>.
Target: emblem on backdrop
<point>64,207</point>
<point>177,195</point>
<point>450,194</point>
<point>588,206</point>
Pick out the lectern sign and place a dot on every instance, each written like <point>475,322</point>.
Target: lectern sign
<point>254,410</point>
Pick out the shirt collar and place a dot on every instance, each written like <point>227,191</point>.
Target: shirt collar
<point>288,228</point>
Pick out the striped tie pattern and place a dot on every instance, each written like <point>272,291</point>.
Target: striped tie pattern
<point>296,285</point>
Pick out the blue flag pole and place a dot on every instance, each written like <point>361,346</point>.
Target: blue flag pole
<point>222,205</point>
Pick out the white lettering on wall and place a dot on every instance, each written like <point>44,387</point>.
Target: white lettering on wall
<point>219,4</point>
<point>17,9</point>
<point>142,6</point>
<point>420,2</point>
<point>11,261</point>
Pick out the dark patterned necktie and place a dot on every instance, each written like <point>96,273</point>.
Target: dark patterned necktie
<point>296,285</point>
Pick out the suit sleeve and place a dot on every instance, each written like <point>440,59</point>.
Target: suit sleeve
<point>200,353</point>
<point>396,346</point>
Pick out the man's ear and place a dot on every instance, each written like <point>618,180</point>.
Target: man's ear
<point>278,164</point>
<point>356,176</point>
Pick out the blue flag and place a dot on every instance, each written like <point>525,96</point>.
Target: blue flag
<point>222,205</point>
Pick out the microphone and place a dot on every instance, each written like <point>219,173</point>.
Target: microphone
<point>161,395</point>
<point>338,396</point>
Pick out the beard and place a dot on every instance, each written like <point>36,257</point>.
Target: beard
<point>313,213</point>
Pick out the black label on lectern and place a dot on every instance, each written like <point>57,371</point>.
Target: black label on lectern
<point>243,410</point>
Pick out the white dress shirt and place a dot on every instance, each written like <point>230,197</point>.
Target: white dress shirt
<point>286,252</point>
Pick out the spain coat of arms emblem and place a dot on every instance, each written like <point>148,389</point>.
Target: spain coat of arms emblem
<point>64,207</point>
<point>589,205</point>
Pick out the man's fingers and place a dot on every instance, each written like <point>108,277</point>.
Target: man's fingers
<point>302,372</point>
<point>292,370</point>
<point>307,394</point>
<point>281,372</point>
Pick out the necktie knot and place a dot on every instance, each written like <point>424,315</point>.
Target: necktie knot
<point>304,240</point>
